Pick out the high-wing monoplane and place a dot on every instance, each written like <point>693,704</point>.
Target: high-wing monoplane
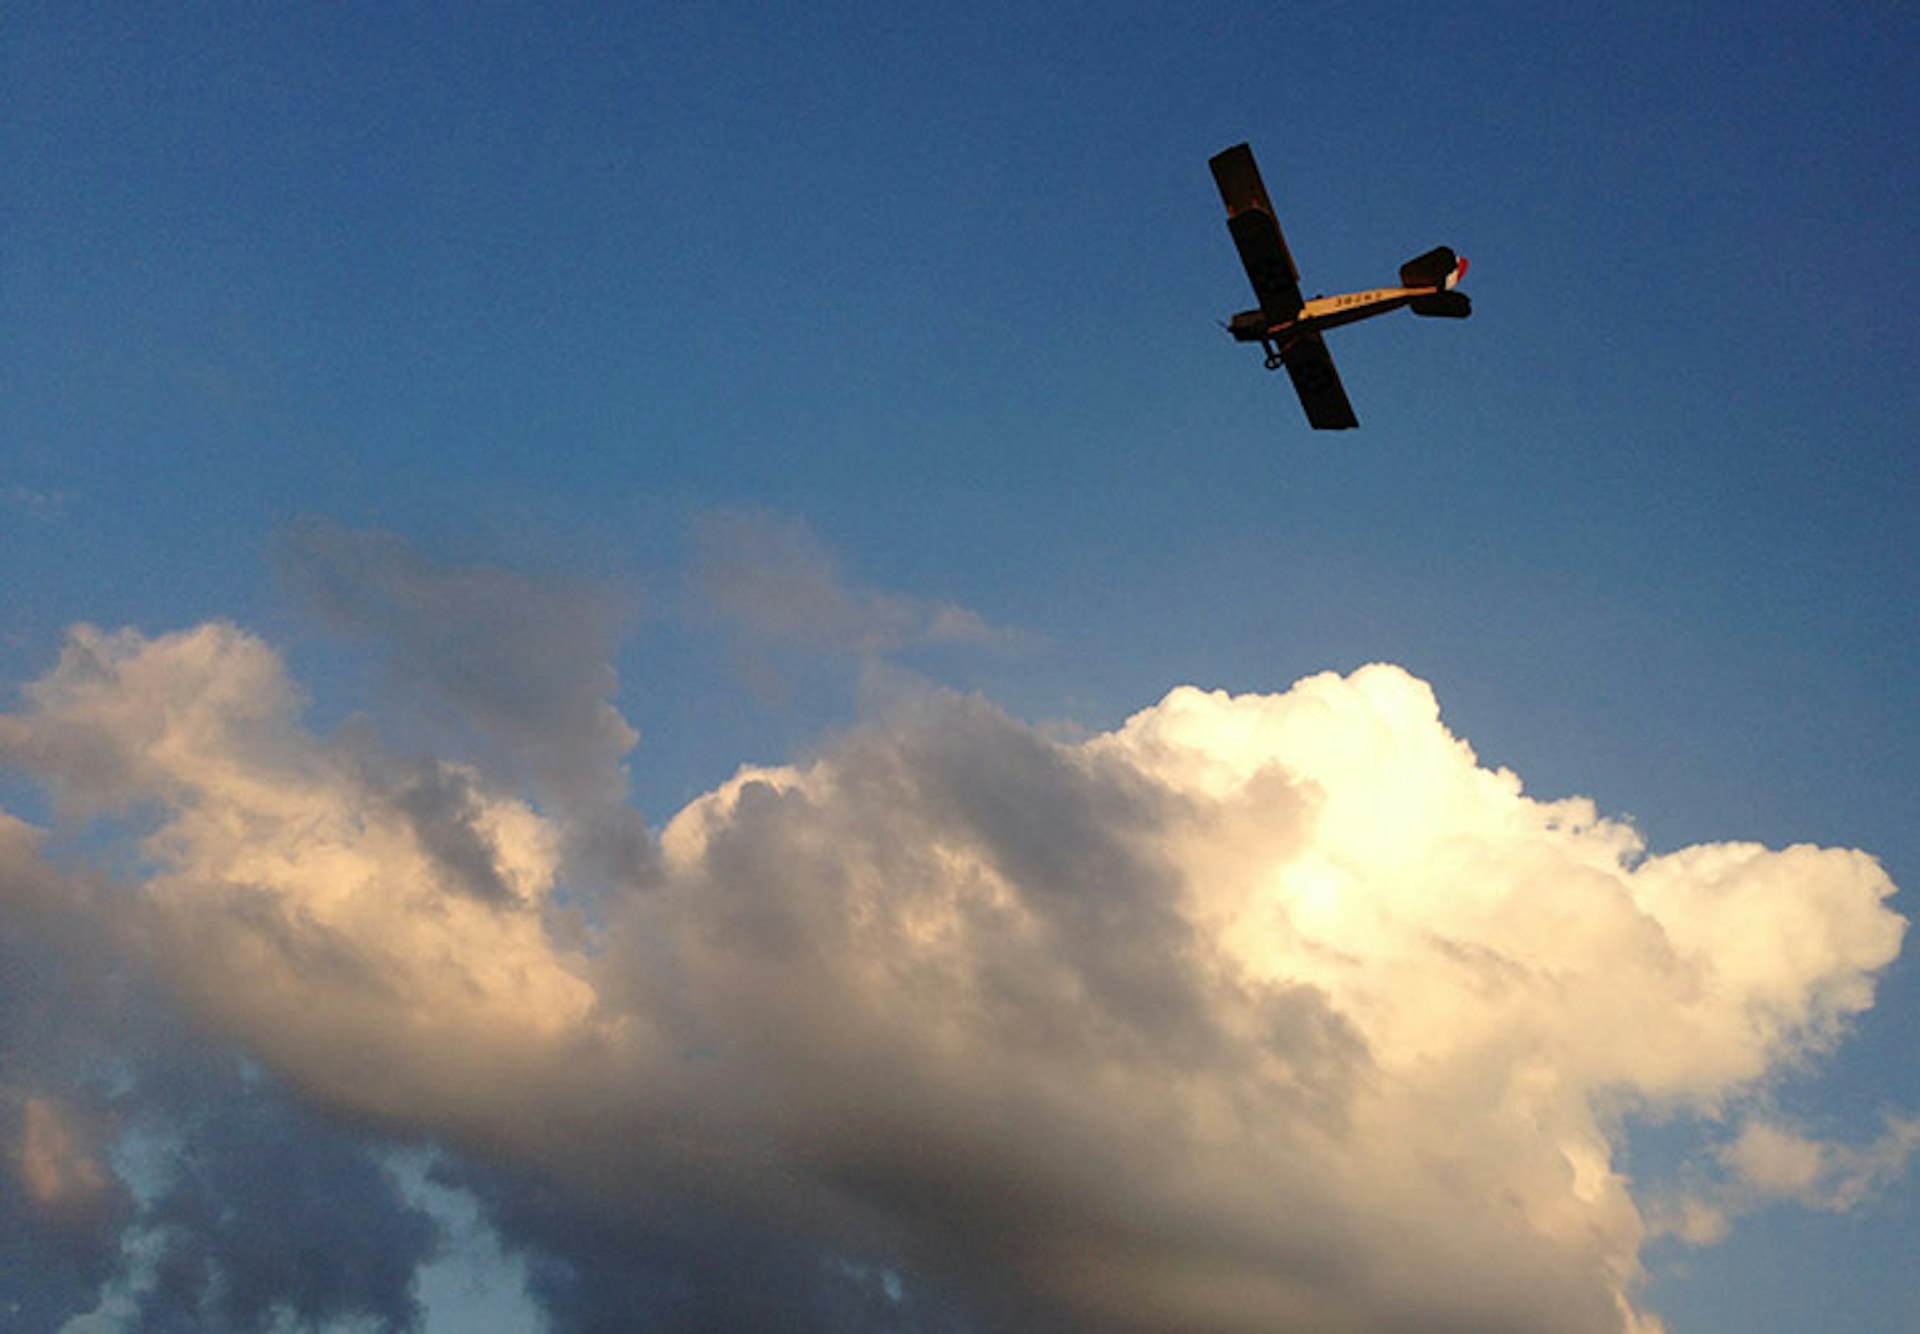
<point>1288,326</point>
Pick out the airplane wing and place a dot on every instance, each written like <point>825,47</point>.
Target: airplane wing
<point>1310,367</point>
<point>1256,233</point>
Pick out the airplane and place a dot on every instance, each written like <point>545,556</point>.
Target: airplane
<point>1289,327</point>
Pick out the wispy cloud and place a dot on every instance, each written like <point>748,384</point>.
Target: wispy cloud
<point>1774,1160</point>
<point>525,661</point>
<point>772,577</point>
<point>1257,1012</point>
<point>34,503</point>
<point>1769,1161</point>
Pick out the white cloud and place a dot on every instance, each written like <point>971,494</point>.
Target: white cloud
<point>302,894</point>
<point>1775,1160</point>
<point>1258,1012</point>
<point>1768,1159</point>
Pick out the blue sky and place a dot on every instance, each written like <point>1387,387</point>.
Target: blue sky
<point>798,365</point>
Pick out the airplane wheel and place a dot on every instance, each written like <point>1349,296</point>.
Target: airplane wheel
<point>1275,362</point>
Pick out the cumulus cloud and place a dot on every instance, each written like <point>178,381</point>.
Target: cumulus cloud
<point>514,673</point>
<point>151,1180</point>
<point>1258,1012</point>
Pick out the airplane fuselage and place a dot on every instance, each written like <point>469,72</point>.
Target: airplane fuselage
<point>1322,312</point>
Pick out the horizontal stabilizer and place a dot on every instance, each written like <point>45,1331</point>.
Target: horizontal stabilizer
<point>1432,269</point>
<point>1447,305</point>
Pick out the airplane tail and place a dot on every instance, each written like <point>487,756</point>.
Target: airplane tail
<point>1447,305</point>
<point>1439,267</point>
